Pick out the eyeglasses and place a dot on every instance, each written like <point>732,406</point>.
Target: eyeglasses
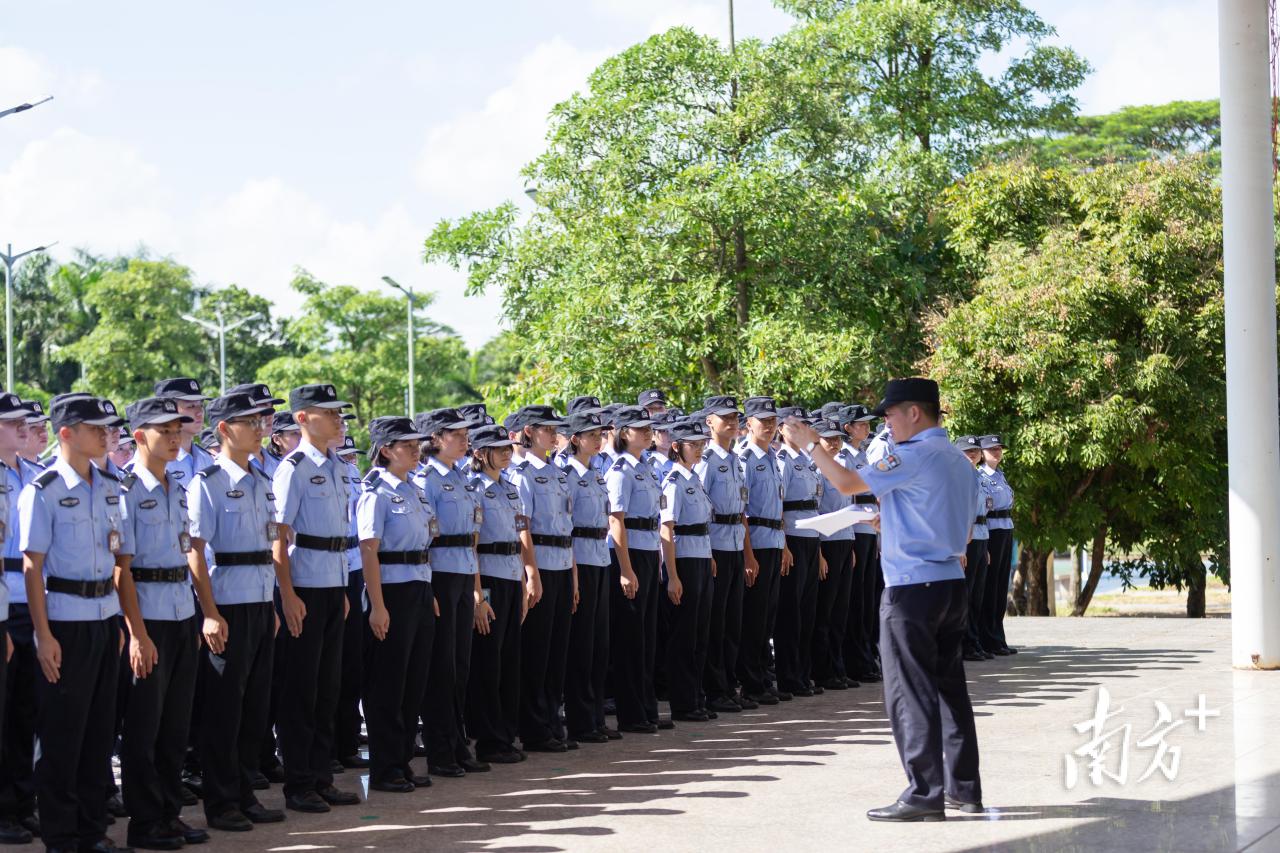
<point>247,420</point>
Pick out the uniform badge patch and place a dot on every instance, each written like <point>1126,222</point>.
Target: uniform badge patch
<point>888,462</point>
<point>318,480</point>
<point>69,502</point>
<point>235,493</point>
<point>113,499</point>
<point>150,503</point>
<point>540,479</point>
<point>722,468</point>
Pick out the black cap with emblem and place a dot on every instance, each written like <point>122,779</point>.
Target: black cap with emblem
<point>319,396</point>
<point>651,397</point>
<point>584,421</point>
<point>990,441</point>
<point>631,416</point>
<point>913,390</point>
<point>760,407</point>
<point>722,405</point>
<point>476,414</point>
<point>493,435</point>
<point>181,388</point>
<point>85,410</point>
<point>258,392</point>
<point>35,412</point>
<point>11,407</point>
<point>687,431</point>
<point>153,411</point>
<point>283,422</point>
<point>348,447</point>
<point>230,406</point>
<point>585,404</point>
<point>390,429</point>
<point>538,415</point>
<point>968,442</point>
<point>438,420</point>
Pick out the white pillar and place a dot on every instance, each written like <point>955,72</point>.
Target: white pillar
<point>1253,435</point>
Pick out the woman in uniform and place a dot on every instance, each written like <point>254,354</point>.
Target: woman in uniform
<point>395,523</point>
<point>975,555</point>
<point>686,548</point>
<point>798,593</point>
<point>999,545</point>
<point>834,589</point>
<point>493,695</point>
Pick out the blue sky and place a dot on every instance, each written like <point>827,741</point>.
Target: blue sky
<point>244,139</point>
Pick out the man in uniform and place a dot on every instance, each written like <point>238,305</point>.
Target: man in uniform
<point>653,401</point>
<point>312,508</point>
<point>192,458</point>
<point>37,432</point>
<point>71,527</point>
<point>927,493</point>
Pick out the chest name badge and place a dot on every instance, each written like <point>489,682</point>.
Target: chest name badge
<point>723,469</point>
<point>512,496</point>
<point>397,500</point>
<point>448,487</point>
<point>318,480</point>
<point>150,503</point>
<point>113,499</point>
<point>490,495</point>
<point>235,493</point>
<point>540,479</point>
<point>69,502</point>
<point>760,467</point>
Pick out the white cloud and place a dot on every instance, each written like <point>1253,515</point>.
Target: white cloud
<point>25,76</point>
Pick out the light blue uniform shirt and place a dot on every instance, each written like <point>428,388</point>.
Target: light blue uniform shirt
<point>764,495</point>
<point>1002,498</point>
<point>183,470</point>
<point>831,501</point>
<point>726,485</point>
<point>312,499</point>
<point>270,462</point>
<point>590,509</point>
<point>15,479</point>
<point>660,463</point>
<point>687,503</point>
<point>351,479</point>
<point>548,502</point>
<point>800,482</point>
<point>156,519</point>
<point>927,493</point>
<point>399,516</point>
<point>70,520</point>
<point>504,518</point>
<point>854,460</point>
<point>984,504</point>
<point>457,509</point>
<point>230,508</point>
<point>634,492</point>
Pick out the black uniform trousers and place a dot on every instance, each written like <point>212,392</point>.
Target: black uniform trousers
<point>75,733</point>
<point>588,660</point>
<point>861,655</point>
<point>833,610</point>
<point>689,628</point>
<point>397,678</point>
<point>346,728</point>
<point>17,781</point>
<point>633,625</point>
<point>921,648</point>
<point>975,582</point>
<point>544,652</point>
<point>445,701</point>
<point>493,691</point>
<point>753,655</point>
<point>724,632</point>
<point>999,569</point>
<point>797,607</point>
<point>311,665</point>
<point>156,722</point>
<point>236,699</point>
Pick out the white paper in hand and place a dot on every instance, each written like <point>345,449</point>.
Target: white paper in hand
<point>840,519</point>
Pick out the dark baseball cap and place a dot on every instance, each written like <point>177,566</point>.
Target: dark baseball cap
<point>968,442</point>
<point>317,396</point>
<point>915,389</point>
<point>348,447</point>
<point>438,420</point>
<point>389,429</point>
<point>230,406</point>
<point>258,392</point>
<point>793,412</point>
<point>182,388</point>
<point>11,407</point>
<point>209,438</point>
<point>492,435</point>
<point>585,403</point>
<point>153,411</point>
<point>94,411</point>
<point>760,407</point>
<point>125,438</point>
<point>721,405</point>
<point>653,395</point>
<point>631,416</point>
<point>687,431</point>
<point>283,422</point>
<point>664,421</point>
<point>35,412</point>
<point>989,441</point>
<point>829,428</point>
<point>69,395</point>
<point>477,414</point>
<point>538,415</point>
<point>584,421</point>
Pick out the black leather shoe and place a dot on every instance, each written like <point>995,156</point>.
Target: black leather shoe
<point>420,781</point>
<point>510,756</point>
<point>13,833</point>
<point>872,677</point>
<point>470,765</point>
<point>334,797</point>
<point>308,801</point>
<point>552,745</point>
<point>974,656</point>
<point>156,838</point>
<point>1001,652</point>
<point>259,781</point>
<point>747,703</point>
<point>115,807</point>
<point>725,705</point>
<point>231,821</point>
<point>591,737</point>
<point>904,813</point>
<point>352,762</point>
<point>711,715</point>
<point>610,733</point>
<point>393,786</point>
<point>31,824</point>
<point>258,813</point>
<point>988,656</point>
<point>967,808</point>
<point>781,695</point>
<point>1011,650</point>
<point>835,682</point>
<point>189,834</point>
<point>638,728</point>
<point>335,767</point>
<point>189,797</point>
<point>105,845</point>
<point>570,744</point>
<point>760,698</point>
<point>274,774</point>
<point>449,771</point>
<point>850,683</point>
<point>664,723</point>
<point>689,716</point>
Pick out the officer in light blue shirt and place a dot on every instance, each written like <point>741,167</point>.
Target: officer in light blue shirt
<point>155,595</point>
<point>71,526</point>
<point>927,494</point>
<point>999,546</point>
<point>284,437</point>
<point>260,394</point>
<point>346,733</point>
<point>861,648</point>
<point>802,489</point>
<point>192,458</point>
<point>312,509</point>
<point>37,433</point>
<point>975,570</point>
<point>835,584</point>
<point>396,523</point>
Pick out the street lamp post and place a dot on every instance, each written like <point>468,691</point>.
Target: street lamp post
<point>22,108</point>
<point>407,291</point>
<point>220,329</point>
<point>9,257</point>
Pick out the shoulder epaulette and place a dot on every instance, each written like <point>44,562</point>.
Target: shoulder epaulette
<point>207,472</point>
<point>295,457</point>
<point>127,481</point>
<point>45,479</point>
<point>619,464</point>
<point>108,474</point>
<point>523,464</point>
<point>371,477</point>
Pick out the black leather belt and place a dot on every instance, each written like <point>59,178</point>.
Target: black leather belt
<point>242,558</point>
<point>650,524</point>
<point>454,540</point>
<point>174,574</point>
<point>324,543</point>
<point>793,506</point>
<point>502,549</point>
<point>982,519</point>
<point>84,589</point>
<point>771,523</point>
<point>403,558</point>
<point>1000,513</point>
<point>726,518</point>
<point>590,532</point>
<point>552,541</point>
<point>693,529</point>
<point>13,564</point>
<point>864,499</point>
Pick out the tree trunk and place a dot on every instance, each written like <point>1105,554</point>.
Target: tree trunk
<point>1035,563</point>
<point>1195,591</point>
<point>1018,589</point>
<point>1097,558</point>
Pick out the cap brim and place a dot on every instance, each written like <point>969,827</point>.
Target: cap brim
<point>830,433</point>
<point>878,411</point>
<point>32,420</point>
<point>14,415</point>
<point>634,425</point>
<point>164,419</point>
<point>506,442</point>
<point>271,401</point>
<point>244,413</point>
<point>188,398</point>
<point>555,422</point>
<point>332,404</point>
<point>455,425</point>
<point>107,422</point>
<point>725,412</point>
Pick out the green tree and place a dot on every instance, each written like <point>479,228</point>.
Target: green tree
<point>1093,342</point>
<point>763,220</point>
<point>249,346</point>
